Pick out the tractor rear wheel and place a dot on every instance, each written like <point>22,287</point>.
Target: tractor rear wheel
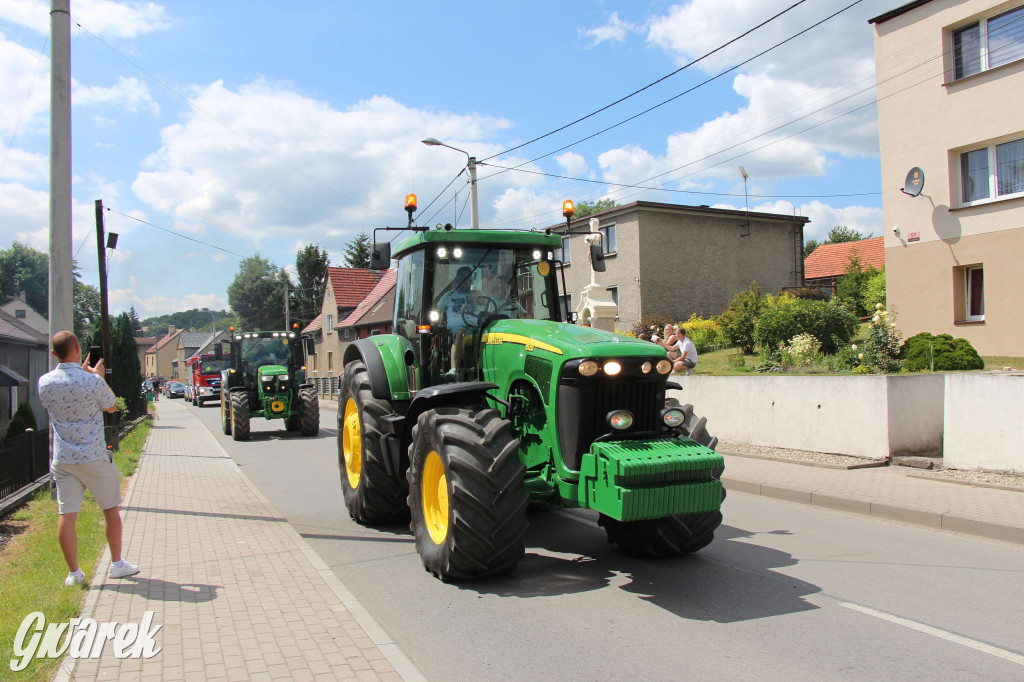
<point>225,414</point>
<point>669,536</point>
<point>466,493</point>
<point>240,415</point>
<point>309,420</point>
<point>371,494</point>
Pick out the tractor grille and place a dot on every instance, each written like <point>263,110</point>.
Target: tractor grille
<point>584,404</point>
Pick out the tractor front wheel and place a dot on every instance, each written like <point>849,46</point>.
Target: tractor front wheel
<point>309,421</point>
<point>466,493</point>
<point>293,423</point>
<point>240,415</point>
<point>225,414</point>
<point>371,494</point>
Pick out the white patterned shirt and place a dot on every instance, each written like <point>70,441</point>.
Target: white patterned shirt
<point>75,400</point>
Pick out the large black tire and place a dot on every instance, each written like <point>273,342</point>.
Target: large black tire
<point>669,536</point>
<point>309,422</point>
<point>371,494</point>
<point>240,415</point>
<point>466,493</point>
<point>225,414</point>
<point>293,423</point>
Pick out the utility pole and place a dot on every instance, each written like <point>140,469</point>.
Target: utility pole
<point>474,207</point>
<point>287,315</point>
<point>61,280</point>
<point>104,317</point>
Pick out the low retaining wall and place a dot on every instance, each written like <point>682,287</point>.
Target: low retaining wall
<point>865,416</point>
<point>984,415</point>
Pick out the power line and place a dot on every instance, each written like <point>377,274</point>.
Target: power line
<point>176,234</point>
<point>649,85</point>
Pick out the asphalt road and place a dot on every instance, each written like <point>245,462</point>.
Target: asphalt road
<point>785,592</point>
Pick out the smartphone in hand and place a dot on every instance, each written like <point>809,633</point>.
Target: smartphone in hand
<point>94,355</point>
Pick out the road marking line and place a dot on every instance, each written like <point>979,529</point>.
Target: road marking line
<point>936,632</point>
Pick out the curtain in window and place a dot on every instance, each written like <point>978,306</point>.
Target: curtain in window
<point>976,292</point>
<point>967,51</point>
<point>1010,167</point>
<point>974,175</point>
<point>1006,38</point>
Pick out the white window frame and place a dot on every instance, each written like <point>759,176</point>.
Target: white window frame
<point>608,246</point>
<point>968,317</point>
<point>329,327</point>
<point>983,47</point>
<point>993,177</point>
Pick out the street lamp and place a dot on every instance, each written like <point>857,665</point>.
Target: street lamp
<point>474,209</point>
<point>287,315</point>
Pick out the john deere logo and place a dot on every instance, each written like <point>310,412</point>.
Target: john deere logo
<point>277,406</point>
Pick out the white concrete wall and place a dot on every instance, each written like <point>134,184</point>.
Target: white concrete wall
<point>868,416</point>
<point>984,422</point>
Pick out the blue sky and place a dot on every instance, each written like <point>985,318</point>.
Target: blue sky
<point>260,127</point>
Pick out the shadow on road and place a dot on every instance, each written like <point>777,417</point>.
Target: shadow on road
<point>164,590</point>
<point>727,581</point>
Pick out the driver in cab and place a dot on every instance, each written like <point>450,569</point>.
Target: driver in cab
<point>458,305</point>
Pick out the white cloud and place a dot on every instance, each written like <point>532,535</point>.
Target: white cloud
<point>864,219</point>
<point>572,164</point>
<point>102,17</point>
<point>615,30</point>
<point>130,94</point>
<point>18,164</point>
<point>219,257</point>
<point>25,76</point>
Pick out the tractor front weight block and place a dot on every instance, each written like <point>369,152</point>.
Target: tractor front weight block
<point>645,479</point>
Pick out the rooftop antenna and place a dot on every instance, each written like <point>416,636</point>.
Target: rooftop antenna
<point>746,204</point>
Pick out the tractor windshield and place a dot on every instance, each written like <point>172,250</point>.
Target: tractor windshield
<point>266,351</point>
<point>213,366</point>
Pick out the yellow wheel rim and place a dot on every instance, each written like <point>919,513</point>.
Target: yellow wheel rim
<point>435,498</point>
<point>352,444</point>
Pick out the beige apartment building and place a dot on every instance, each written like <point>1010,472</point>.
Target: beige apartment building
<point>675,260</point>
<point>950,77</point>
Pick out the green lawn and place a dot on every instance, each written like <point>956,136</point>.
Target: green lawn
<point>32,568</point>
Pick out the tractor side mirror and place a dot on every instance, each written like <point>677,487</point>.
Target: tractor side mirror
<point>597,258</point>
<point>380,258</point>
<point>218,351</point>
<point>310,345</point>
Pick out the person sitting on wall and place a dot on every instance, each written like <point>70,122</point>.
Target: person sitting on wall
<point>684,356</point>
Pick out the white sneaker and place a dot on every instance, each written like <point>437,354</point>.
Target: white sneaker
<point>76,578</point>
<point>122,569</point>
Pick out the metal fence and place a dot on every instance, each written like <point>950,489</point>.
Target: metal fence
<point>23,460</point>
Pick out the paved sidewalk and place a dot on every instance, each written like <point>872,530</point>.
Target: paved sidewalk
<point>886,492</point>
<point>238,593</point>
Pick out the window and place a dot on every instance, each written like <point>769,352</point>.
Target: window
<point>329,327</point>
<point>330,361</point>
<point>562,254</point>
<point>608,239</point>
<point>312,359</point>
<point>993,171</point>
<point>975,294</point>
<point>988,43</point>
<point>614,291</point>
<point>20,314</point>
<point>565,303</point>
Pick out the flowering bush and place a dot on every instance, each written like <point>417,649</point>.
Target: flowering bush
<point>707,335</point>
<point>802,350</point>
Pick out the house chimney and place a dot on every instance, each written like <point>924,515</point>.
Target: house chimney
<point>170,329</point>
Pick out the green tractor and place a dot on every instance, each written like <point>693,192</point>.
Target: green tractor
<point>266,377</point>
<point>487,399</point>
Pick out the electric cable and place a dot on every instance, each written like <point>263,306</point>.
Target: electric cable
<point>176,234</point>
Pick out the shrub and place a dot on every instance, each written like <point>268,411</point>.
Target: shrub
<point>851,286</point>
<point>645,327</point>
<point>124,416</point>
<point>706,334</point>
<point>940,353</point>
<point>810,292</point>
<point>738,320</point>
<point>881,350</point>
<point>827,321</point>
<point>24,418</point>
<point>802,350</point>
<point>737,360</point>
<point>874,291</point>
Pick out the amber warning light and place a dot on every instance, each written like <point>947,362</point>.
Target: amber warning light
<point>568,209</point>
<point>410,203</point>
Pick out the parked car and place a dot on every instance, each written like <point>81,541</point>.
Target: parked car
<point>175,389</point>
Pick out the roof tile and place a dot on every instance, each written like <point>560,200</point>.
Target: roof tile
<point>386,283</point>
<point>830,260</point>
<point>351,285</point>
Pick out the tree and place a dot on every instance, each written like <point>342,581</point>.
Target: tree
<point>126,377</point>
<point>851,287</point>
<point>258,302</point>
<point>809,246</point>
<point>357,252</point>
<point>133,317</point>
<point>585,208</point>
<point>86,315</point>
<point>841,233</point>
<point>311,264</point>
<point>23,268</point>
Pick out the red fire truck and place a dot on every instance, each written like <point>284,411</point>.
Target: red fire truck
<point>203,380</point>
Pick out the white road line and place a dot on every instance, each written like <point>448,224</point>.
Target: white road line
<point>936,632</point>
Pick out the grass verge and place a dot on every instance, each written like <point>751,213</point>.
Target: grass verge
<point>32,568</point>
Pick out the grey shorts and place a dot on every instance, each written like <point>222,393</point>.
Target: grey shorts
<point>101,478</point>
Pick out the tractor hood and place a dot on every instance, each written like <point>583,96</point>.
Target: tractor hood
<point>569,340</point>
<point>272,370</point>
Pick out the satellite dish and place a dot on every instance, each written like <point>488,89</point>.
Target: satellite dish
<point>914,182</point>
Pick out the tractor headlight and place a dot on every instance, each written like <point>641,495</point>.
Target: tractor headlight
<point>268,379</point>
<point>664,367</point>
<point>620,420</point>
<point>612,368</point>
<point>588,368</point>
<point>673,417</point>
<point>647,367</point>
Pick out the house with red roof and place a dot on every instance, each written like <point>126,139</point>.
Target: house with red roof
<point>374,315</point>
<point>161,355</point>
<point>828,262</point>
<point>345,290</point>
